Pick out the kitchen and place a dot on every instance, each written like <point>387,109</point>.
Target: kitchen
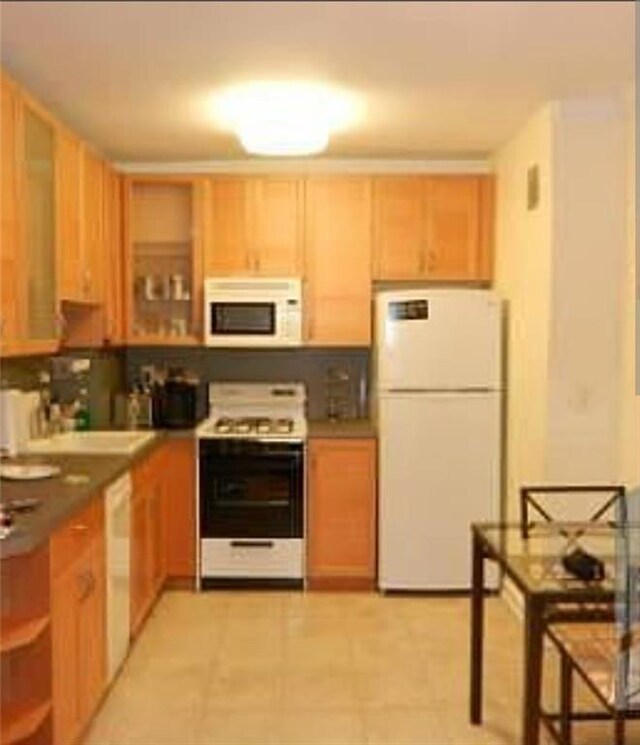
<point>121,279</point>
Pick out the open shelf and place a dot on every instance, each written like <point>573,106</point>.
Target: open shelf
<point>16,633</point>
<point>22,720</point>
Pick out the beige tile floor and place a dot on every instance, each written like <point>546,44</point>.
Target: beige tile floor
<point>276,668</point>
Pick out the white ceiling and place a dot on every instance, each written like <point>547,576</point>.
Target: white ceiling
<point>438,79</point>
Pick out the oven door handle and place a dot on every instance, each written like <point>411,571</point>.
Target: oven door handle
<point>251,544</point>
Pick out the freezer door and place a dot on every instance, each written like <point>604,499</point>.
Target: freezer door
<point>439,472</point>
<point>438,339</point>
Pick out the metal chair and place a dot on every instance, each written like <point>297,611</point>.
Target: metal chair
<point>568,503</point>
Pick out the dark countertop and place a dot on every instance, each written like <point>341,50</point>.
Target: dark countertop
<point>60,499</point>
<point>347,428</point>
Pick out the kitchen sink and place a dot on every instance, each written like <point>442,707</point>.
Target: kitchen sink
<point>95,443</point>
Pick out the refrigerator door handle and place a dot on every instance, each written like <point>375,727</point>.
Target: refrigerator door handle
<point>441,390</point>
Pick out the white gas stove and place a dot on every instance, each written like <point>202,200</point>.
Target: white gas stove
<point>265,411</point>
<point>251,484</point>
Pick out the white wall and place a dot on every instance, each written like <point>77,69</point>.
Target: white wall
<point>522,277</point>
<point>560,269</point>
<point>588,228</point>
<point>629,400</point>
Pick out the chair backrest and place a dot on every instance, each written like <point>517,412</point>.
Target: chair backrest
<point>627,690</point>
<point>543,504</point>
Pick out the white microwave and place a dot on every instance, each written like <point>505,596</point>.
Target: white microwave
<point>252,312</point>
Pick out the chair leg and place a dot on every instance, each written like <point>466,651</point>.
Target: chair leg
<point>566,698</point>
<point>619,728</point>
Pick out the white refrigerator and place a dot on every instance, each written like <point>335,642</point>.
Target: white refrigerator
<point>438,401</point>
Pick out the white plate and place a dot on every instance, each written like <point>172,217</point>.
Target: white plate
<point>28,472</point>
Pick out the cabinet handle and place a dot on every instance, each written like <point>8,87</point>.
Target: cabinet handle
<point>79,528</point>
<point>312,325</point>
<point>85,584</point>
<point>60,325</point>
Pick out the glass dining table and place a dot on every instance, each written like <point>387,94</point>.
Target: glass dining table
<point>532,561</point>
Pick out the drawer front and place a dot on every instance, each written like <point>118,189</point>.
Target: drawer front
<point>76,535</point>
<point>266,558</point>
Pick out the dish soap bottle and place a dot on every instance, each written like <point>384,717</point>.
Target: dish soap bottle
<point>82,416</point>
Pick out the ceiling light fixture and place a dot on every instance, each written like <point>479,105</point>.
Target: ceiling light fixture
<point>280,118</point>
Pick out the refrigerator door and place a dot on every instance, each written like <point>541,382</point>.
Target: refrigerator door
<point>439,472</point>
<point>438,340</point>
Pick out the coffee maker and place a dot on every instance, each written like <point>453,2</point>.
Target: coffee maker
<point>174,401</point>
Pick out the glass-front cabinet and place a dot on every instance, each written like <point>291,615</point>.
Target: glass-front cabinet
<point>39,153</point>
<point>164,267</point>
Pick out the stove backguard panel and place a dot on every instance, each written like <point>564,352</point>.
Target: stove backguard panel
<point>311,366</point>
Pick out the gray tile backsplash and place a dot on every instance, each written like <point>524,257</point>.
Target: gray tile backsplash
<point>310,366</point>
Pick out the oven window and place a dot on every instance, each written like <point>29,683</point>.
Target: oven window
<point>252,491</point>
<point>243,318</point>
<point>250,494</point>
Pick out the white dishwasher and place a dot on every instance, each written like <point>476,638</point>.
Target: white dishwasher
<point>118,509</point>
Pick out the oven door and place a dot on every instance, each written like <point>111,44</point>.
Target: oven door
<point>251,489</point>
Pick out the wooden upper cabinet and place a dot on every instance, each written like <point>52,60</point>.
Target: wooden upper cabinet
<point>338,260</point>
<point>38,174</point>
<point>398,227</point>
<point>114,300</point>
<point>433,228</point>
<point>255,226</point>
<point>487,227</point>
<point>69,218</point>
<point>226,252</point>
<point>274,227</point>
<point>93,234</point>
<point>12,275</point>
<point>163,240</point>
<point>453,227</point>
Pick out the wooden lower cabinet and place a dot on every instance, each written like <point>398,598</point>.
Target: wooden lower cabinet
<point>341,525</point>
<point>179,514</point>
<point>25,649</point>
<point>148,567</point>
<point>78,621</point>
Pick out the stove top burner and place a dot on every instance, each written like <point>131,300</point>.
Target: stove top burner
<point>253,426</point>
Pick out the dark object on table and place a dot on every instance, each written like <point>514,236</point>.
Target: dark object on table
<point>583,565</point>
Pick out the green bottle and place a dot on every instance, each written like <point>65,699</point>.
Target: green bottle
<point>82,415</point>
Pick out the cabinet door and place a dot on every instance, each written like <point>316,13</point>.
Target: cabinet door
<point>398,227</point>
<point>64,651</point>
<point>12,269</point>
<point>92,639</point>
<point>163,272</point>
<point>179,511</point>
<point>274,226</point>
<point>487,228</point>
<point>40,240</point>
<point>114,309</point>
<point>68,217</point>
<point>226,251</point>
<point>338,260</point>
<point>453,210</point>
<point>342,515</point>
<point>94,265</point>
<point>155,535</point>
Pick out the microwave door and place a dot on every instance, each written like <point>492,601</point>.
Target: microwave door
<point>241,319</point>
